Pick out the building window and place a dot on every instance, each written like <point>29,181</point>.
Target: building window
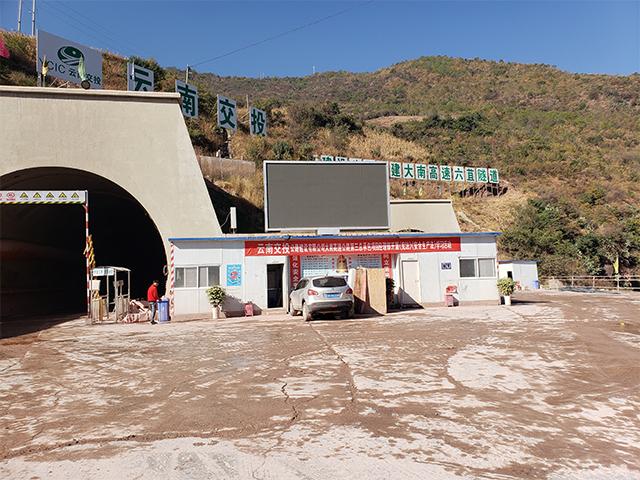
<point>194,277</point>
<point>487,267</point>
<point>467,268</point>
<point>208,276</point>
<point>186,277</point>
<point>477,268</point>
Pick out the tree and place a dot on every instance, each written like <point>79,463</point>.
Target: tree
<point>546,231</point>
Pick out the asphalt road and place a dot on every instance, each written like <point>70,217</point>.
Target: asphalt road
<point>546,388</point>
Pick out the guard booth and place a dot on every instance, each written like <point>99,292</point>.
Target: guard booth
<point>110,294</point>
<point>523,272</point>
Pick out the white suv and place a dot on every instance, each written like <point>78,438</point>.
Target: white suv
<point>328,294</point>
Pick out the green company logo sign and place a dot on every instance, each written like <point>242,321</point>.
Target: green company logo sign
<point>70,55</point>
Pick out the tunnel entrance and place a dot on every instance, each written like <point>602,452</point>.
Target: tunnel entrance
<point>42,264</point>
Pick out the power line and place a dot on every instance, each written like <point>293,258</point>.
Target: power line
<point>107,32</point>
<point>83,27</point>
<point>282,34</point>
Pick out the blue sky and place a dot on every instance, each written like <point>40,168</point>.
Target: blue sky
<point>577,36</point>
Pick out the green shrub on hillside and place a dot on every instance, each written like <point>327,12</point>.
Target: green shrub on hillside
<point>282,151</point>
<point>307,119</point>
<point>555,233</point>
<point>433,125</point>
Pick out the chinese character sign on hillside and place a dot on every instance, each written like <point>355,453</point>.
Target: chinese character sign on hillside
<point>408,170</point>
<point>395,170</point>
<point>258,122</point>
<point>189,98</point>
<point>430,172</point>
<point>433,174</point>
<point>139,79</point>
<point>227,113</point>
<point>445,173</point>
<point>470,174</point>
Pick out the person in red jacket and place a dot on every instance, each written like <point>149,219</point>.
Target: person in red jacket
<point>153,298</point>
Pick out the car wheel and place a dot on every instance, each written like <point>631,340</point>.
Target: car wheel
<point>306,314</point>
<point>351,312</point>
<point>292,311</point>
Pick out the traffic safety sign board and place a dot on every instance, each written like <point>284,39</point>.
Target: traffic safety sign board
<point>42,197</point>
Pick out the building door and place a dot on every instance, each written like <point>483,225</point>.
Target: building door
<point>410,293</point>
<point>274,285</point>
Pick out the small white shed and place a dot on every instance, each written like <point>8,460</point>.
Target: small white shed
<point>523,272</point>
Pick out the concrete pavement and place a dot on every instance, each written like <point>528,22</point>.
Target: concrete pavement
<point>547,388</point>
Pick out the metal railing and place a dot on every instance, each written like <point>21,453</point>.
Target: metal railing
<point>593,282</point>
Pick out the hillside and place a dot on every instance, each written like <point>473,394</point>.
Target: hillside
<point>567,145</point>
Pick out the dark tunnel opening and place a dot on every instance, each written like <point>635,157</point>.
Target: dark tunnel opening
<point>42,262</point>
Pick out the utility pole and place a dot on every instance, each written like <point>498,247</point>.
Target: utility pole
<point>19,16</point>
<point>33,18</point>
<point>186,74</point>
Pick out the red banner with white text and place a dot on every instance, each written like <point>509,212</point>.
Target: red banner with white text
<point>294,271</point>
<point>302,247</point>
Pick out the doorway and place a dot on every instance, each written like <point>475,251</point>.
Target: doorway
<point>410,294</point>
<point>274,285</point>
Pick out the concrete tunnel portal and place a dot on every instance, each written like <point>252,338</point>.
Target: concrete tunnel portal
<point>132,152</point>
<point>42,246</point>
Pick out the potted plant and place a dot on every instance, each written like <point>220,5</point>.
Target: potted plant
<point>216,296</point>
<point>506,286</point>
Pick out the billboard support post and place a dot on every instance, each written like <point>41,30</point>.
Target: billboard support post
<point>33,18</point>
<point>19,16</point>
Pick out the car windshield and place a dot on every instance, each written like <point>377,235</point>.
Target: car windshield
<point>327,282</point>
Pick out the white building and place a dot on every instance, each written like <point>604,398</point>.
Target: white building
<point>523,272</point>
<point>263,268</point>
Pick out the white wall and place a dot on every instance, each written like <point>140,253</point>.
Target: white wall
<point>434,280</point>
<point>524,272</point>
<point>223,253</point>
<point>256,285</point>
<point>138,140</point>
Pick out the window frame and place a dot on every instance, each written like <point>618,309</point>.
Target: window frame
<point>476,266</point>
<point>493,263</point>
<point>197,269</point>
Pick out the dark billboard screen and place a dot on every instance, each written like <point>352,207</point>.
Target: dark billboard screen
<point>311,195</point>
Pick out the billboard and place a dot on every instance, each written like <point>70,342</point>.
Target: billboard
<point>63,59</point>
<point>313,195</point>
<point>139,79</point>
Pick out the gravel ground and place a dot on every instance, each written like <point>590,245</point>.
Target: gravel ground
<point>546,388</point>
